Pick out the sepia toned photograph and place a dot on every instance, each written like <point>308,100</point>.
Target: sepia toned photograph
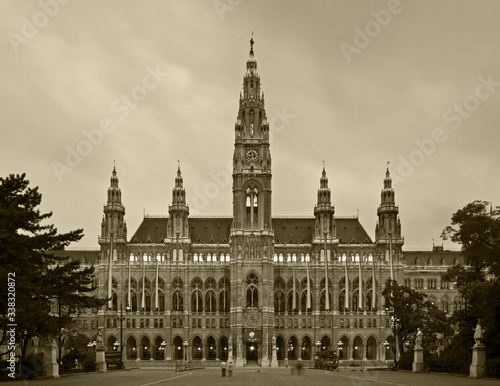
<point>274,192</point>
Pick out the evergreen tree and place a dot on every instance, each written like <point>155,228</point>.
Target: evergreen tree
<point>41,278</point>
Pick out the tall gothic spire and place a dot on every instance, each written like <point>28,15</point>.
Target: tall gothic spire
<point>251,122</point>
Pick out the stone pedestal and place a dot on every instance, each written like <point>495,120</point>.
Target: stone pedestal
<point>274,359</point>
<point>265,362</point>
<point>239,355</point>
<point>478,360</point>
<point>418,360</point>
<point>50,359</point>
<point>230,358</point>
<point>100,359</point>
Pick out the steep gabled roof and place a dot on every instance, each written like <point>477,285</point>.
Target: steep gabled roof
<point>151,230</point>
<point>216,230</point>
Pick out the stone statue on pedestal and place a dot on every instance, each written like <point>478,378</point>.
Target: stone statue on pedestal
<point>418,339</point>
<point>99,340</point>
<point>478,334</point>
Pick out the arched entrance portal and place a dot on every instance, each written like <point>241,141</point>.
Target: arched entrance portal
<point>252,352</point>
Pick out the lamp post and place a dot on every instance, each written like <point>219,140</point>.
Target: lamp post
<point>341,344</point>
<point>386,345</point>
<point>185,344</point>
<point>163,346</point>
<point>394,322</point>
<point>318,345</point>
<point>121,319</point>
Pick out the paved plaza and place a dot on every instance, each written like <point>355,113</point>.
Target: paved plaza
<point>260,377</point>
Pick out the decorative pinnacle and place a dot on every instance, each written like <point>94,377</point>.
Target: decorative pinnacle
<point>251,46</point>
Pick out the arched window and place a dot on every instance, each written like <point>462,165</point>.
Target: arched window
<point>252,290</point>
<point>279,295</point>
<point>248,200</point>
<point>210,301</point>
<point>196,297</point>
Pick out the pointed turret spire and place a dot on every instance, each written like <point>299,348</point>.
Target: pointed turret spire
<point>324,210</point>
<point>179,210</point>
<point>324,179</point>
<point>114,192</point>
<point>179,193</point>
<point>387,180</point>
<point>388,196</point>
<point>113,221</point>
<point>388,221</point>
<point>324,193</point>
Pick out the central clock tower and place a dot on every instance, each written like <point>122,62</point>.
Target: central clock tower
<point>252,157</point>
<point>252,281</point>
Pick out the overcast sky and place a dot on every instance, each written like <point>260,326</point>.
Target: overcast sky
<point>353,83</point>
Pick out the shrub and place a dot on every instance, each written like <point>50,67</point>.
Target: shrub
<point>492,367</point>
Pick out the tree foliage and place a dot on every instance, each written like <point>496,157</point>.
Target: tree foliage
<point>477,228</point>
<point>41,278</point>
<point>413,311</point>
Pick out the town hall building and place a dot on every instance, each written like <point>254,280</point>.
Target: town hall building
<point>251,287</point>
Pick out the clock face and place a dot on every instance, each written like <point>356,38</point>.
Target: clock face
<point>252,155</point>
